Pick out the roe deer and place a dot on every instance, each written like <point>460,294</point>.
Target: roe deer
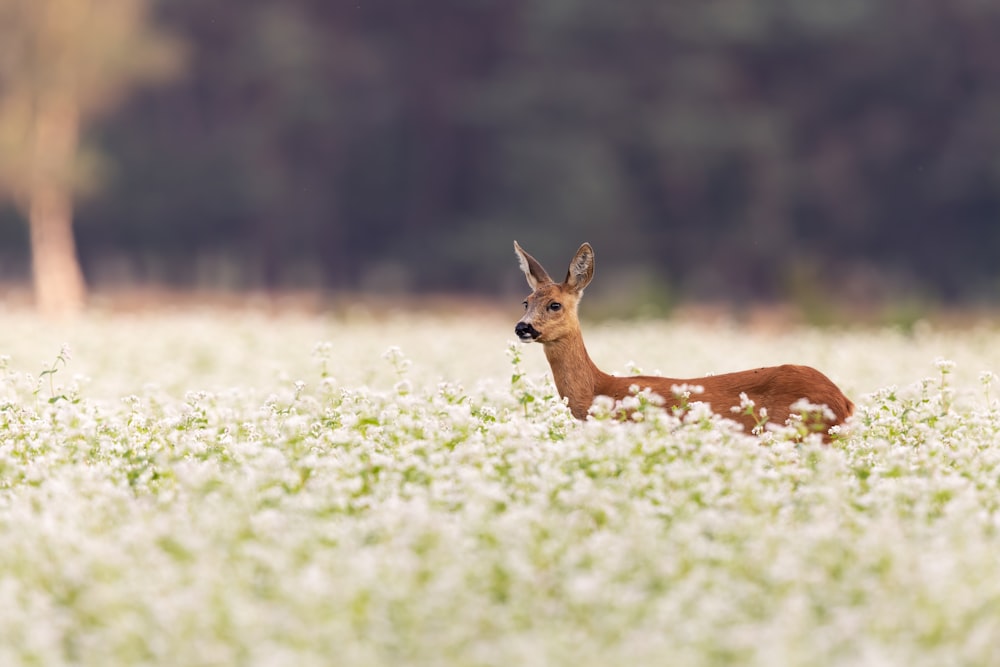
<point>550,318</point>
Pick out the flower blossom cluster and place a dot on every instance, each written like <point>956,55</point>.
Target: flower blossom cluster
<point>194,492</point>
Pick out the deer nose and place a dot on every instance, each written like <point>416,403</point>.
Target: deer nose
<point>525,331</point>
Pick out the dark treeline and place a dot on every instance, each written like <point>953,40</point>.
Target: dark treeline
<point>722,149</point>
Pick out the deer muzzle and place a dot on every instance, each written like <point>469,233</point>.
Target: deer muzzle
<point>526,332</point>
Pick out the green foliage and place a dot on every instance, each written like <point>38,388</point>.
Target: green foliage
<point>716,146</point>
<point>62,359</point>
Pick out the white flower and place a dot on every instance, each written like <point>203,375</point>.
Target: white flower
<point>944,365</point>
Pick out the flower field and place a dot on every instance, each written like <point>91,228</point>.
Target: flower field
<point>206,489</point>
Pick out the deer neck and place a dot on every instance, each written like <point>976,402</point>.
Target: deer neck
<point>575,374</point>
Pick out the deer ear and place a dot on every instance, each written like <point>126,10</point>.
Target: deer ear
<point>581,269</point>
<point>533,271</point>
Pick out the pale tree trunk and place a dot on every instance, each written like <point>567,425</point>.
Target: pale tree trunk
<point>58,280</point>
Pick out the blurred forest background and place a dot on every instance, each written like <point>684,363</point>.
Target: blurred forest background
<point>737,152</point>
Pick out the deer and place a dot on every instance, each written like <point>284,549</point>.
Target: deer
<point>551,318</point>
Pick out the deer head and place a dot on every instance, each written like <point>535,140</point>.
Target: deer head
<point>550,310</point>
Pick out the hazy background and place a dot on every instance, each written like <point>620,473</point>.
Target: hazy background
<point>828,154</point>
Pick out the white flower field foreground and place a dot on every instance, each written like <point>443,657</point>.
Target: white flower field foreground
<point>290,490</point>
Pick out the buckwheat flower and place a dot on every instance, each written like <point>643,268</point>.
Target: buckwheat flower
<point>250,431</point>
<point>322,349</point>
<point>394,355</point>
<point>631,402</point>
<point>944,365</point>
<point>602,407</point>
<point>804,407</point>
<point>746,403</point>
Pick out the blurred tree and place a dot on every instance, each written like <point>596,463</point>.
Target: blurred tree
<point>61,62</point>
<point>737,151</point>
<point>731,142</point>
<point>336,136</point>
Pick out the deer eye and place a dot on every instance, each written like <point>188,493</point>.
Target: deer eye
<point>526,305</point>
<point>555,305</point>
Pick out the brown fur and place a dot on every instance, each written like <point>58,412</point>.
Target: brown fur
<point>579,380</point>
